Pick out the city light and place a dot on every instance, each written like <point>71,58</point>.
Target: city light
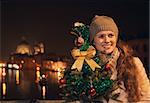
<point>16,66</point>
<point>2,65</point>
<point>3,72</point>
<point>22,61</point>
<point>37,68</point>
<point>10,65</point>
<point>33,61</point>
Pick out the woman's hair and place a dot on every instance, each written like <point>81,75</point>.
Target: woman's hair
<point>127,71</point>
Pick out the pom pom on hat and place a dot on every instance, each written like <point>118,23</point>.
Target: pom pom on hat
<point>102,23</point>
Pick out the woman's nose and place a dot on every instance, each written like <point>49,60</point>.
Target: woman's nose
<point>106,39</point>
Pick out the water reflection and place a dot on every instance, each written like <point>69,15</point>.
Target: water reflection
<point>17,77</point>
<point>37,74</point>
<point>4,89</point>
<point>24,84</point>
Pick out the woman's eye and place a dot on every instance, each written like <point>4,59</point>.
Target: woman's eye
<point>110,35</point>
<point>100,36</point>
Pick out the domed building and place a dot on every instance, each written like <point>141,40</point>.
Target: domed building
<point>29,57</point>
<point>24,48</point>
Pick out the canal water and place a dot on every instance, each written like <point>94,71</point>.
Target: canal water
<point>24,84</point>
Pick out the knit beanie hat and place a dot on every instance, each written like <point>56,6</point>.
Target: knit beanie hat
<point>102,23</point>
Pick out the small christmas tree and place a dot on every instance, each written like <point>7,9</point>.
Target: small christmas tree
<point>85,80</point>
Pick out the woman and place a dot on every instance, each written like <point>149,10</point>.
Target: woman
<point>126,68</point>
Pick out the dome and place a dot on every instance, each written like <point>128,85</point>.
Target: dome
<point>24,48</point>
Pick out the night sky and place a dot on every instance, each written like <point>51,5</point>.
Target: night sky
<point>49,21</point>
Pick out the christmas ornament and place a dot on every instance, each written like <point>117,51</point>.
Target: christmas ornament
<point>62,81</point>
<point>92,91</point>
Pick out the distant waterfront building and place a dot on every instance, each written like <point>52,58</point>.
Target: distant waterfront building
<point>25,48</point>
<point>32,56</point>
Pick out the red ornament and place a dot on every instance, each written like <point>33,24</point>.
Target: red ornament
<point>92,91</point>
<point>107,67</point>
<point>83,93</point>
<point>62,81</point>
<point>67,94</point>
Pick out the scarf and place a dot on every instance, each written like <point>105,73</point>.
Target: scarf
<point>111,60</point>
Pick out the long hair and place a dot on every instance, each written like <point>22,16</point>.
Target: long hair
<point>127,71</point>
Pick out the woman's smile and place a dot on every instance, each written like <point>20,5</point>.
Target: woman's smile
<point>106,45</point>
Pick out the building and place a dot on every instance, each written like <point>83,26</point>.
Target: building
<point>32,56</point>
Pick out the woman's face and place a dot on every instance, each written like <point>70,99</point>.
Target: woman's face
<point>105,41</point>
